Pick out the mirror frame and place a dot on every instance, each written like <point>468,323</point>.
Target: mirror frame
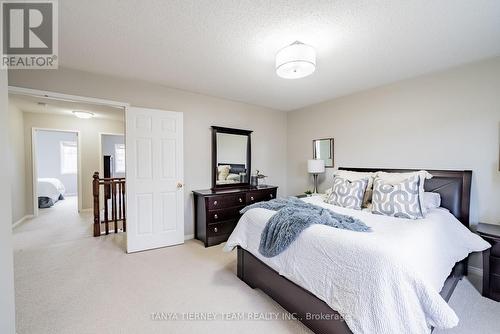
<point>215,131</point>
<point>331,151</point>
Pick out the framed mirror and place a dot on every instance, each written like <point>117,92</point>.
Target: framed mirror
<point>323,150</point>
<point>231,157</point>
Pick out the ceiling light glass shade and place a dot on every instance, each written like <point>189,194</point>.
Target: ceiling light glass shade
<point>83,114</point>
<point>296,61</point>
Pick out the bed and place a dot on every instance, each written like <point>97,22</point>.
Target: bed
<point>50,190</point>
<point>361,298</point>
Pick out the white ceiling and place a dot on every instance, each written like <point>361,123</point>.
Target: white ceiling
<point>226,48</point>
<point>50,106</point>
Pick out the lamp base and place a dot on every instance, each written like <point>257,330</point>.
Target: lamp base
<point>315,177</point>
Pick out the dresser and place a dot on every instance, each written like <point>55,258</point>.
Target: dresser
<point>217,211</point>
<point>491,260</point>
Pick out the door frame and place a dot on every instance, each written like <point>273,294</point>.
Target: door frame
<point>34,165</point>
<point>101,161</point>
<point>16,90</point>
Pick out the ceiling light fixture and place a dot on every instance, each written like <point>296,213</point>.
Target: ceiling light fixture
<point>298,60</point>
<point>83,114</point>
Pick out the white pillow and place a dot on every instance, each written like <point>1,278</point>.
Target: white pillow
<point>432,200</point>
<point>355,176</point>
<point>395,178</point>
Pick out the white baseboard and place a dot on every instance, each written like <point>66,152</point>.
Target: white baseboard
<point>475,271</point>
<point>189,236</point>
<point>16,224</point>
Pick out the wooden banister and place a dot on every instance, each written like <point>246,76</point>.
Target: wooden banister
<point>114,192</point>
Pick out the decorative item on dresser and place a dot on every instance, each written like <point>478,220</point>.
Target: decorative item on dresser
<point>217,211</point>
<point>491,260</point>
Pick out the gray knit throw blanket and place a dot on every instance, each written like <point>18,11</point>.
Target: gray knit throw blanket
<point>294,216</point>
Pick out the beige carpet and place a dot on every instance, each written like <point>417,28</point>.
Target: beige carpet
<point>69,282</point>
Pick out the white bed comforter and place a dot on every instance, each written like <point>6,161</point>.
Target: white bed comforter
<point>50,187</point>
<point>384,281</point>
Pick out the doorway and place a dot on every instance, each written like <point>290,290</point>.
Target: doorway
<point>56,169</point>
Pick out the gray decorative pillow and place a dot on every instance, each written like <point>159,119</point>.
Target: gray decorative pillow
<point>397,200</point>
<point>348,194</point>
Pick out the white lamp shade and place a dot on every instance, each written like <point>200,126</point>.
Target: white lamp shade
<point>315,166</point>
<point>296,61</point>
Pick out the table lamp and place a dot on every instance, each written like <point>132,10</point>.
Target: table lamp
<point>315,167</point>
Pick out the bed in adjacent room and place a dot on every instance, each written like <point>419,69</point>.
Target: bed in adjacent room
<point>50,190</point>
<point>396,278</point>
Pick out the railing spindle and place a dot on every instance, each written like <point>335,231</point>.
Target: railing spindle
<point>113,205</point>
<point>124,222</point>
<point>95,193</point>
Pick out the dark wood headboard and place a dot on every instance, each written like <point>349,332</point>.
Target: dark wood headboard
<point>453,186</point>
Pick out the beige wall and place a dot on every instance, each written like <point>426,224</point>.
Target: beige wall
<point>7,313</point>
<point>89,151</point>
<point>17,164</point>
<point>446,120</point>
<point>200,112</point>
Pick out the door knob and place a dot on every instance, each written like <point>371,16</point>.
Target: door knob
<point>179,185</point>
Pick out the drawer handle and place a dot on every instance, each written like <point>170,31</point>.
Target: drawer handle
<point>215,203</point>
<point>215,216</point>
<point>271,195</point>
<point>215,229</point>
<point>240,199</point>
<point>251,198</point>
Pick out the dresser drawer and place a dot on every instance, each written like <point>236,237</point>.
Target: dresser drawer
<point>260,195</point>
<point>226,201</point>
<point>216,216</point>
<point>220,229</point>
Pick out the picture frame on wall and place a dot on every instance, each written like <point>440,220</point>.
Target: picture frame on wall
<point>323,149</point>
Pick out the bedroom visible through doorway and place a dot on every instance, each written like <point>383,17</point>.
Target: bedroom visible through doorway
<point>56,163</point>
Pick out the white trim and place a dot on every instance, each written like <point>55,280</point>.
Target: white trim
<point>65,97</point>
<point>188,237</point>
<point>34,166</point>
<point>16,224</point>
<point>475,271</point>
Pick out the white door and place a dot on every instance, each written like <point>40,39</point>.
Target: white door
<point>154,165</point>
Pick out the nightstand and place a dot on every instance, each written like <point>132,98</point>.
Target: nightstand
<point>491,260</point>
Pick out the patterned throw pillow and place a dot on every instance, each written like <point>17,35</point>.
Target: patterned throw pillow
<point>399,200</point>
<point>348,194</point>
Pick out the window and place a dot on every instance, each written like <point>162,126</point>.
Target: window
<point>119,158</point>
<point>69,157</point>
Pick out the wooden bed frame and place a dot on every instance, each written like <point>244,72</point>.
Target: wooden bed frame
<point>454,188</point>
